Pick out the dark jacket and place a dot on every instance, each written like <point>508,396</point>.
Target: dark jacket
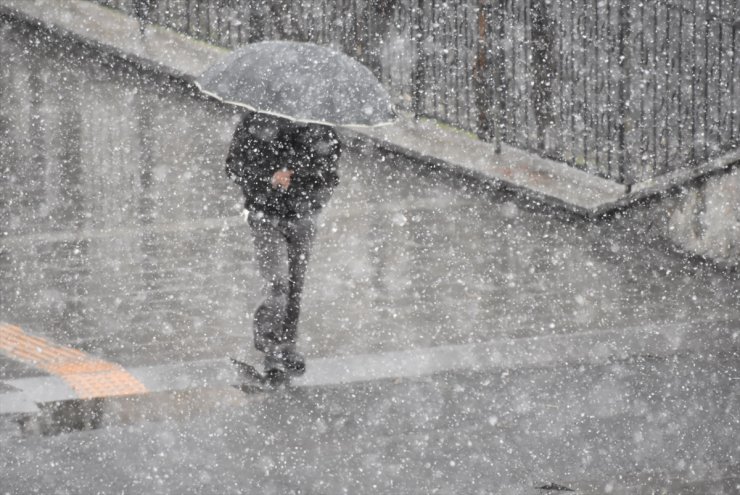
<point>263,145</point>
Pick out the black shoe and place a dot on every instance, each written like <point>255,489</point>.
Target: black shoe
<point>275,377</point>
<point>286,359</point>
<point>294,362</point>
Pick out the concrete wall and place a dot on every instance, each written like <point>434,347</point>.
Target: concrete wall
<point>705,218</point>
<point>701,218</point>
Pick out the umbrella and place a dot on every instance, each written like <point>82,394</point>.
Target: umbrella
<point>299,81</point>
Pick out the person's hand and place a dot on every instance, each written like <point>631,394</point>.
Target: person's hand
<point>281,179</point>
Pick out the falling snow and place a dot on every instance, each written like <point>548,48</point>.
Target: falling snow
<point>464,333</point>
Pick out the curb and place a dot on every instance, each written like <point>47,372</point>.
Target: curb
<point>597,347</point>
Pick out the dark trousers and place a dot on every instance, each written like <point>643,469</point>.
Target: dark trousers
<point>282,248</point>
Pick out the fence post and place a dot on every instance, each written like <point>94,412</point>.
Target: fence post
<point>543,68</point>
<point>499,75</point>
<point>142,10</point>
<point>623,107</point>
<point>419,72</point>
<point>481,73</point>
<point>378,22</point>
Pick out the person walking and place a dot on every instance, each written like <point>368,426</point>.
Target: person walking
<point>287,172</point>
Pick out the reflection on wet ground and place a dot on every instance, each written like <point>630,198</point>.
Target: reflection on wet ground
<point>122,236</point>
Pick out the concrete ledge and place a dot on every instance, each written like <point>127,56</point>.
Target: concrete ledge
<point>540,179</point>
<point>110,30</point>
<point>665,182</point>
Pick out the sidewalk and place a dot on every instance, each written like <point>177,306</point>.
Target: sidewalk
<point>182,57</point>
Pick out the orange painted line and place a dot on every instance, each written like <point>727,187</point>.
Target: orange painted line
<point>89,377</point>
<point>74,367</point>
<point>39,352</point>
<point>106,384</point>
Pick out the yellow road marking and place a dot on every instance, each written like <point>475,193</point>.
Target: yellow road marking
<point>89,377</point>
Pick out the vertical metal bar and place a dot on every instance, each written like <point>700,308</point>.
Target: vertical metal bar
<point>653,71</point>
<point>560,83</point>
<point>323,20</point>
<point>480,73</point>
<point>625,59</point>
<point>454,66</point>
<point>433,58</point>
<point>499,77</point>
<point>586,109</point>
<point>513,123</point>
<point>243,19</point>
<point>643,145</point>
<point>605,88</point>
<point>198,28</point>
<point>395,29</point>
<point>208,34</point>
<point>527,69</point>
<point>472,40</point>
<point>188,21</point>
<point>467,54</point>
<point>666,90</point>
<point>469,62</point>
<point>219,31</point>
<point>598,88</point>
<point>246,19</point>
<point>454,69</point>
<point>542,68</point>
<point>462,65</point>
<point>429,81</point>
<point>418,72</point>
<point>444,69</point>
<point>234,24</point>
<point>516,48</point>
<point>706,80</point>
<point>573,80</point>
<point>350,37</point>
<point>735,73</point>
<point>224,22</point>
<point>679,90</point>
<point>610,113</point>
<point>719,91</point>
<point>501,68</point>
<point>522,119</point>
<point>444,57</point>
<point>693,90</point>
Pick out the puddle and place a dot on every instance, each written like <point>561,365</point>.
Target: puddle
<point>59,417</point>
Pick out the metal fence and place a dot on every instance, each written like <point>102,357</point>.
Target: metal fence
<point>625,90</point>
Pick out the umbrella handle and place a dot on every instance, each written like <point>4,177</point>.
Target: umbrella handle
<point>282,179</point>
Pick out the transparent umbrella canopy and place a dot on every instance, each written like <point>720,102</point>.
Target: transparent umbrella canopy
<point>299,81</point>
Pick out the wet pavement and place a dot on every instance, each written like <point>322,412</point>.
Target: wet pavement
<point>593,429</point>
<point>121,237</point>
